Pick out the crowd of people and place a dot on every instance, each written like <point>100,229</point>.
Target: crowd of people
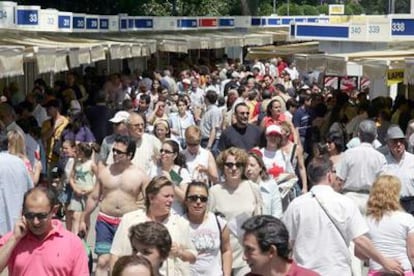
<point>212,170</point>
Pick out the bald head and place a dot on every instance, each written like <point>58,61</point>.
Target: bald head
<point>39,196</point>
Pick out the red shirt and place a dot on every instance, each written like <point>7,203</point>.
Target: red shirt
<point>294,270</point>
<point>59,253</point>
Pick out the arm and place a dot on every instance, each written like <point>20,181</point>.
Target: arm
<point>37,169</point>
<point>302,168</point>
<point>6,250</point>
<point>410,247</point>
<point>211,138</point>
<point>226,253</point>
<point>112,262</point>
<point>91,204</point>
<point>72,182</point>
<point>182,253</point>
<point>364,247</point>
<point>212,168</point>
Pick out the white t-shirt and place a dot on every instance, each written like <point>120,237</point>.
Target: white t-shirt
<point>206,240</point>
<point>389,236</point>
<point>317,244</point>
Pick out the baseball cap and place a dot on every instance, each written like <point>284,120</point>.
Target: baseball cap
<point>120,116</point>
<point>395,132</point>
<point>273,129</point>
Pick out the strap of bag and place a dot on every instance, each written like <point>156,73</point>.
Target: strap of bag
<point>221,238</point>
<point>292,155</point>
<point>330,217</point>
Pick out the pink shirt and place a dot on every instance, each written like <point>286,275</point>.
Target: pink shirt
<point>61,253</point>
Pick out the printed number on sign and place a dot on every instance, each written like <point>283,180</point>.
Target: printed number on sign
<point>32,17</point>
<point>3,14</point>
<point>355,30</point>
<point>398,27</point>
<point>375,29</point>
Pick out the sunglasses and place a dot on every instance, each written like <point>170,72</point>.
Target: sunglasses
<point>195,198</point>
<point>231,165</point>
<point>166,151</point>
<point>117,151</point>
<point>39,216</point>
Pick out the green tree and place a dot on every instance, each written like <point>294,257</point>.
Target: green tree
<point>310,10</point>
<point>353,9</point>
<point>292,9</point>
<point>323,9</point>
<point>265,8</point>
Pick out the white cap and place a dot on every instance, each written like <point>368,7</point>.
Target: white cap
<point>273,129</point>
<point>120,116</point>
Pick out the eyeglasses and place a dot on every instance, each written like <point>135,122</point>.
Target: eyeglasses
<point>117,151</point>
<point>166,151</point>
<point>39,216</point>
<point>231,165</point>
<point>195,198</point>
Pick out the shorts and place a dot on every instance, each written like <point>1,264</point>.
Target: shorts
<point>77,203</point>
<point>105,229</point>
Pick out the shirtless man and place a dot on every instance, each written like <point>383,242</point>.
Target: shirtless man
<point>117,189</point>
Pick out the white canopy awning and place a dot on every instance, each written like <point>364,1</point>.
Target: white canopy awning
<point>11,61</point>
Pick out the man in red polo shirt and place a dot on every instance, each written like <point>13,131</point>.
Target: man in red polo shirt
<point>267,249</point>
<point>40,245</point>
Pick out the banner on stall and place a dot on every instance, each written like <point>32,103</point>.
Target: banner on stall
<point>336,9</point>
<point>395,76</point>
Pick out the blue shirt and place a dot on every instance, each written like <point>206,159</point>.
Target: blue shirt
<point>14,182</point>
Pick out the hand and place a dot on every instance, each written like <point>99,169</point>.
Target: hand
<point>83,227</point>
<point>201,168</point>
<point>304,190</point>
<point>20,229</point>
<point>176,250</point>
<point>393,266</point>
<point>38,166</point>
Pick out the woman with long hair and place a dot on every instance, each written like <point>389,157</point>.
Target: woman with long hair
<point>209,234</point>
<point>256,171</point>
<point>16,146</point>
<point>237,199</point>
<point>390,228</point>
<point>171,164</point>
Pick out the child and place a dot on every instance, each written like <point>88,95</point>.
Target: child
<point>82,181</point>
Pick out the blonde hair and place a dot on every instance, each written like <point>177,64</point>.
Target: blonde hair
<point>16,143</point>
<point>384,196</point>
<point>193,134</point>
<point>239,154</point>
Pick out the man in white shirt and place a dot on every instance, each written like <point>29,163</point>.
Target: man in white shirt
<point>361,165</point>
<point>322,223</point>
<point>400,163</point>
